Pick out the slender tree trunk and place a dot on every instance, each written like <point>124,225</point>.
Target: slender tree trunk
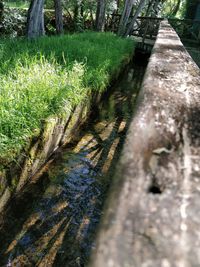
<point>82,9</point>
<point>156,7</point>
<point>92,18</point>
<point>1,10</point>
<point>100,15</point>
<point>125,16</point>
<point>79,16</point>
<point>35,19</point>
<point>75,18</point>
<point>76,11</point>
<point>152,10</point>
<point>153,7</point>
<point>58,16</point>
<point>149,8</point>
<point>176,8</point>
<point>149,4</point>
<point>139,9</point>
<point>116,11</point>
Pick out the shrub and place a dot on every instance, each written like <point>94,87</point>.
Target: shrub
<point>13,23</point>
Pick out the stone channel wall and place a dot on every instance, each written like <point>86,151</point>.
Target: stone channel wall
<point>152,216</point>
<point>56,132</point>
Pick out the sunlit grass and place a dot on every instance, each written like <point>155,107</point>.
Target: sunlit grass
<point>40,78</point>
<point>17,4</point>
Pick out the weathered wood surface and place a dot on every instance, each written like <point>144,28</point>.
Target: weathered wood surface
<point>152,218</point>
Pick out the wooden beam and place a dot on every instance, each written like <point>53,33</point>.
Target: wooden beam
<point>152,217</point>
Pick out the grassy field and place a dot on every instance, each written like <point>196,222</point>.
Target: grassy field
<point>16,4</point>
<point>38,78</point>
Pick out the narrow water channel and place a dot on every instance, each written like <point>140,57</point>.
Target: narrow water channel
<point>54,222</point>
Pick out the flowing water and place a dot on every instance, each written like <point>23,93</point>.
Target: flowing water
<point>54,221</point>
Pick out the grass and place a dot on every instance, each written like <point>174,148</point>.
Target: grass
<point>39,78</point>
<point>18,4</point>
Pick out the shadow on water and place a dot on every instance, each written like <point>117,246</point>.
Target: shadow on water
<point>53,222</point>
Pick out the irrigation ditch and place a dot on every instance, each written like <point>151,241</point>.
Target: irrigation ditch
<point>51,218</point>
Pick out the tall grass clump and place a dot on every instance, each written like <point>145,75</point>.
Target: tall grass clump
<point>31,94</point>
<point>42,77</point>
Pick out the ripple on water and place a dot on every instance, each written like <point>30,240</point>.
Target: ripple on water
<point>58,228</point>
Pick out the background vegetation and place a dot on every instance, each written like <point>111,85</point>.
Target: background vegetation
<point>38,75</point>
<point>79,15</point>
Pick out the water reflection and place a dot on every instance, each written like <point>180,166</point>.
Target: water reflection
<point>53,222</point>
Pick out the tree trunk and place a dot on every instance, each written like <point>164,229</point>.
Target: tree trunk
<point>82,9</point>
<point>156,7</point>
<point>35,19</point>
<point>153,7</point>
<point>139,9</point>
<point>92,19</point>
<point>116,10</point>
<point>76,11</point>
<point>176,8</point>
<point>78,20</point>
<point>58,16</point>
<point>1,10</point>
<point>125,16</point>
<point>100,15</point>
<point>149,8</point>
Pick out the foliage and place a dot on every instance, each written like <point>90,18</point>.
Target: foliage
<point>38,78</point>
<point>168,7</point>
<point>13,22</point>
<point>191,6</point>
<point>17,4</point>
<point>79,15</point>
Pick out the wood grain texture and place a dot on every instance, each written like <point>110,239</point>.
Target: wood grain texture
<point>152,217</point>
